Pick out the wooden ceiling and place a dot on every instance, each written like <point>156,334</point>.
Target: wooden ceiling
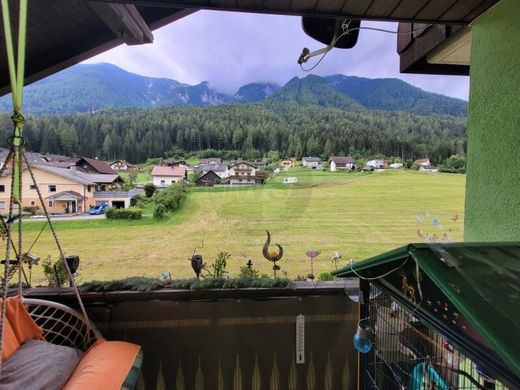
<point>64,32</point>
<point>428,11</point>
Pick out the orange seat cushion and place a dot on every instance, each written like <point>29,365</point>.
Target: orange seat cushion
<point>104,366</point>
<point>18,327</point>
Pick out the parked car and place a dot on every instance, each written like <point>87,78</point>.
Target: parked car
<point>99,209</point>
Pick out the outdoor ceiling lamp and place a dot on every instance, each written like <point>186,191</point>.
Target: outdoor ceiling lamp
<point>339,33</point>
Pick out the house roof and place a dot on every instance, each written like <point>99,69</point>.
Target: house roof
<point>79,177</point>
<point>66,195</point>
<point>211,167</point>
<point>176,171</point>
<point>98,165</point>
<point>208,176</point>
<point>422,161</point>
<point>209,160</point>
<point>342,160</point>
<point>311,159</point>
<point>480,280</point>
<point>65,173</point>
<point>122,162</point>
<point>242,163</point>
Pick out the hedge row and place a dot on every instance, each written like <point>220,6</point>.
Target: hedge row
<point>129,213</point>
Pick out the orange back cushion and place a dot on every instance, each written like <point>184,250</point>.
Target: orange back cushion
<point>104,366</point>
<point>18,327</point>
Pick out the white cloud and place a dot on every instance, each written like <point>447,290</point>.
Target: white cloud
<point>232,49</point>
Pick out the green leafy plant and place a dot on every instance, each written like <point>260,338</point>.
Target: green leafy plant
<point>31,209</point>
<point>149,189</point>
<point>159,211</point>
<point>171,197</point>
<point>325,276</point>
<point>247,271</point>
<point>55,271</point>
<point>218,268</point>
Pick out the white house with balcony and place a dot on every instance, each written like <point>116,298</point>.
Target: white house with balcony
<point>342,164</point>
<point>244,173</point>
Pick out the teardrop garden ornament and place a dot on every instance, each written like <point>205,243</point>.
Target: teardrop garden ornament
<point>272,256</point>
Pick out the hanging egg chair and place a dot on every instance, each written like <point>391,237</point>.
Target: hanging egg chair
<point>44,344</point>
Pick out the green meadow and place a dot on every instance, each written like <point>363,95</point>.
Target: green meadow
<point>356,214</point>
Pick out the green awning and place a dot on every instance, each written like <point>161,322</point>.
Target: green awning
<point>482,280</point>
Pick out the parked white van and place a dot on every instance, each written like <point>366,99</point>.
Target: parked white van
<point>290,180</point>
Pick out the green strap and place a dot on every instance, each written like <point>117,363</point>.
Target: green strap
<point>16,75</point>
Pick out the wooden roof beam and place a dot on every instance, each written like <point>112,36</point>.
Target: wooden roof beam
<point>125,21</point>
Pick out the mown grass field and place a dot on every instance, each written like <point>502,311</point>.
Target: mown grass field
<point>359,215</point>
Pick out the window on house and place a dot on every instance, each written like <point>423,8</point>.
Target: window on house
<point>32,203</point>
<point>52,188</point>
<point>2,188</point>
<point>32,187</point>
<point>89,188</point>
<point>163,183</point>
<point>51,203</point>
<point>173,181</point>
<point>2,204</point>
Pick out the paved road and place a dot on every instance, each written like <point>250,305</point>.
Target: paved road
<point>64,218</point>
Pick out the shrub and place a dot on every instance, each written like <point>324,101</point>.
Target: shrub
<point>55,272</point>
<point>31,209</point>
<point>219,266</point>
<point>171,197</point>
<point>246,272</point>
<point>324,276</point>
<point>159,211</point>
<point>136,199</point>
<point>149,189</point>
<point>129,213</point>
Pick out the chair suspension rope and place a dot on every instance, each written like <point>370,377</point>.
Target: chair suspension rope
<point>6,266</point>
<point>58,244</point>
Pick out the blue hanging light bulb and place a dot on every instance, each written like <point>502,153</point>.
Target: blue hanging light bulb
<point>362,340</point>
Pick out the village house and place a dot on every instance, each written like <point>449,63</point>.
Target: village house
<point>92,165</point>
<point>220,169</point>
<point>423,162</point>
<point>244,173</point>
<point>163,177</point>
<point>65,190</point>
<point>209,179</point>
<point>377,164</point>
<point>288,163</point>
<point>342,164</point>
<point>311,162</point>
<point>121,166</point>
<point>211,160</point>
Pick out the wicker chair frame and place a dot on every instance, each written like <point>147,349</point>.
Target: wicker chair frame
<point>62,325</point>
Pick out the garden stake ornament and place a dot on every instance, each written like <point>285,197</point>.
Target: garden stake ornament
<point>272,256</point>
<point>312,255</point>
<point>196,260</point>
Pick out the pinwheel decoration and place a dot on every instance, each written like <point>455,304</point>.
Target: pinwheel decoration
<point>312,255</point>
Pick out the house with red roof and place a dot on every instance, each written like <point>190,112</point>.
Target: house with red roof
<point>163,177</point>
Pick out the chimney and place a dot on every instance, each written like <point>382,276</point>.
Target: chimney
<point>72,167</point>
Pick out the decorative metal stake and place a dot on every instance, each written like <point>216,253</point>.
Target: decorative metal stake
<point>273,256</point>
<point>312,255</point>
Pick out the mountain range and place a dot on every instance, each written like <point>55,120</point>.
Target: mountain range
<point>91,87</point>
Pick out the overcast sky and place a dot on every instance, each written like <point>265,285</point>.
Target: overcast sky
<point>232,49</point>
